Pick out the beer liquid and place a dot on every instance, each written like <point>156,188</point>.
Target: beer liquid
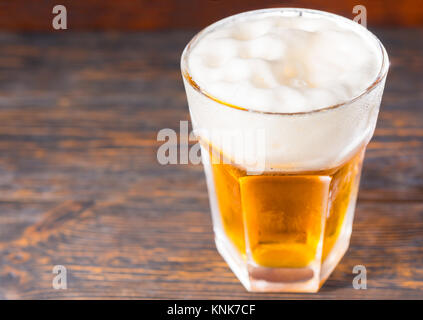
<point>283,216</point>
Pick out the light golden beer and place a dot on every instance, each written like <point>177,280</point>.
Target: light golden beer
<point>283,223</point>
<point>282,211</point>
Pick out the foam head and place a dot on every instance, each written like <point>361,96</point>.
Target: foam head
<point>294,62</point>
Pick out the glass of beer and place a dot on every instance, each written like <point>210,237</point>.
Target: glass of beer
<point>283,102</point>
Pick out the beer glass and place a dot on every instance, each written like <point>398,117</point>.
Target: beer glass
<point>283,185</point>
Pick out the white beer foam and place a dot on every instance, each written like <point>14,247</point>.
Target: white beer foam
<point>277,61</point>
<point>284,64</point>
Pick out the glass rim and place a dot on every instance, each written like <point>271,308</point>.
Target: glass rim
<point>380,76</point>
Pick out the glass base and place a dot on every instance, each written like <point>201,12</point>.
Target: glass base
<point>261,279</point>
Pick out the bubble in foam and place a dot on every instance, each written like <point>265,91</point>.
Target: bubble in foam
<point>261,74</point>
<point>236,70</point>
<point>293,98</point>
<point>267,47</point>
<point>217,51</point>
<point>250,29</point>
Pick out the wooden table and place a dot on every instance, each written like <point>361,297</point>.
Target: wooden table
<point>80,185</point>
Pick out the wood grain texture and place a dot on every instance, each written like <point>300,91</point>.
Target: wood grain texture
<point>127,15</point>
<point>80,185</point>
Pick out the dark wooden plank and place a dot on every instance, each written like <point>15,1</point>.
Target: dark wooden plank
<point>129,248</point>
<point>80,184</point>
<point>85,15</point>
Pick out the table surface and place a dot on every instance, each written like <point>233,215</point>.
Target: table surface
<point>80,185</point>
